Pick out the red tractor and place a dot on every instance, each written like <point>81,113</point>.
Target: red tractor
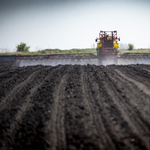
<point>107,46</point>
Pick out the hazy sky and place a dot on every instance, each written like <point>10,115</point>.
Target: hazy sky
<point>67,24</point>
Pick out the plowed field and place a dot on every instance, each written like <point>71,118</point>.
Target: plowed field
<point>74,107</point>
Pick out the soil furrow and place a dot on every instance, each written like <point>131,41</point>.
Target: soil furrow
<point>137,98</point>
<point>26,103</point>
<point>40,110</point>
<point>16,78</point>
<point>13,110</point>
<point>79,130</point>
<point>105,141</point>
<point>36,83</point>
<point>146,70</point>
<point>137,73</point>
<point>74,107</point>
<point>58,117</point>
<point>130,115</point>
<point>111,117</point>
<point>138,84</point>
<point>4,103</point>
<point>56,127</point>
<point>146,126</point>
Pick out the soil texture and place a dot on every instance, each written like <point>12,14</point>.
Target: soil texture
<point>75,107</point>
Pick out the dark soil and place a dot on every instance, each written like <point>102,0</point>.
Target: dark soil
<point>74,107</point>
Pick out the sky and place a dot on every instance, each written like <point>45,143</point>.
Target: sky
<point>68,24</point>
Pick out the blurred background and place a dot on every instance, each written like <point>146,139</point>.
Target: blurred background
<point>67,24</point>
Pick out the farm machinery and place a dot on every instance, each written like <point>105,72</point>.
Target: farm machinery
<point>107,53</point>
<point>107,46</point>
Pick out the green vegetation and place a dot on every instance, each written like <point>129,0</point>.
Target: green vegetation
<point>131,47</point>
<point>22,47</point>
<point>71,51</point>
<point>141,50</point>
<point>54,51</point>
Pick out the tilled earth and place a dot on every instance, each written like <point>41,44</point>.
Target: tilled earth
<point>74,107</point>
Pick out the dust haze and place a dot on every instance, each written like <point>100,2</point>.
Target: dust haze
<point>56,62</point>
